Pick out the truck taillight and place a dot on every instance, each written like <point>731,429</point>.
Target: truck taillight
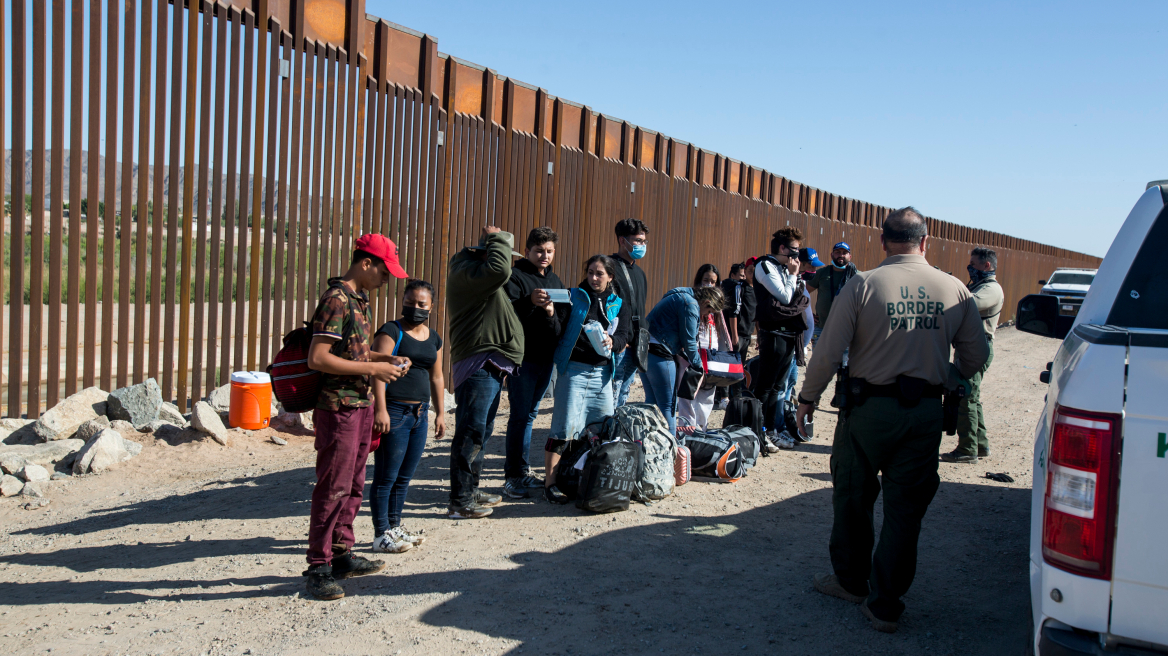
<point>1079,516</point>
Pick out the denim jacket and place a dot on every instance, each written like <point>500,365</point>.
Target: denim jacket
<point>580,303</point>
<point>674,322</point>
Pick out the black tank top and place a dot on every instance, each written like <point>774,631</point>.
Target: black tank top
<point>414,387</point>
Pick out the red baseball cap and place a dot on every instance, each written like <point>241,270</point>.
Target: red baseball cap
<point>381,247</point>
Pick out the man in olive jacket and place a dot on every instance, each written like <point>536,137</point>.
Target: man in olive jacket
<point>486,344</point>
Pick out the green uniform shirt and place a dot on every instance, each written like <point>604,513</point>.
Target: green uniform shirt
<point>340,308</point>
<point>899,318</point>
<point>826,281</point>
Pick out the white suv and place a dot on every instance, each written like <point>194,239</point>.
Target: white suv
<point>1098,529</point>
<point>1070,286</point>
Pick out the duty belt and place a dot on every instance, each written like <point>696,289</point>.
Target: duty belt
<point>892,391</point>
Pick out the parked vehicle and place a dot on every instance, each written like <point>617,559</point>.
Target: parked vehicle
<point>1070,286</point>
<point>1098,577</point>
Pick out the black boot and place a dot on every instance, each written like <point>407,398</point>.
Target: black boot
<point>347,565</point>
<point>321,584</point>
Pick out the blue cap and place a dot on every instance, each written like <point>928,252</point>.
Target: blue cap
<point>810,256</point>
<point>843,245</point>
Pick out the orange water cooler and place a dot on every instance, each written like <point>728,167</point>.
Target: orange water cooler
<point>251,400</point>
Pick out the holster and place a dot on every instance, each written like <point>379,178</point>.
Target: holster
<point>951,405</point>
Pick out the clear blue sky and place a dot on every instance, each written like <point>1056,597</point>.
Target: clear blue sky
<point>1039,120</point>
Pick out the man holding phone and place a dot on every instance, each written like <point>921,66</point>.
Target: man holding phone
<point>531,278</point>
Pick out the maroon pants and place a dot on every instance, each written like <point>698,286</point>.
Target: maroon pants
<point>342,448</point>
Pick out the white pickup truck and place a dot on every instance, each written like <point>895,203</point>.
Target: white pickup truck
<point>1099,521</point>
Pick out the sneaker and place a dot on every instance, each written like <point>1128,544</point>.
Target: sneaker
<point>513,488</point>
<point>554,495</point>
<point>784,441</point>
<point>321,584</point>
<point>487,499</point>
<point>962,458</point>
<point>768,442</point>
<point>391,541</point>
<point>829,585</point>
<point>531,482</point>
<point>348,565</point>
<point>883,626</point>
<point>722,405</point>
<point>413,538</point>
<point>473,511</point>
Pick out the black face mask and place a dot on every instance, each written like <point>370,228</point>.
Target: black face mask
<point>976,275</point>
<point>415,316</point>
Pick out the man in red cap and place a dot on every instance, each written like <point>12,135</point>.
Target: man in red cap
<point>343,418</point>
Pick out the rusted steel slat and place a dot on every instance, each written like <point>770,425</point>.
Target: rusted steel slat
<point>74,319</point>
<point>327,219</point>
<point>281,293</point>
<point>222,296</point>
<point>266,347</point>
<point>56,207</point>
<point>141,222</point>
<point>294,312</point>
<point>243,222</point>
<point>173,210</point>
<point>200,212</point>
<point>4,115</point>
<point>261,21</point>
<point>188,202</point>
<point>307,296</point>
<point>158,220</point>
<point>37,237</point>
<point>125,210</point>
<point>212,306</point>
<point>316,283</point>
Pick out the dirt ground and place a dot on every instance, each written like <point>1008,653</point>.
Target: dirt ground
<point>197,549</point>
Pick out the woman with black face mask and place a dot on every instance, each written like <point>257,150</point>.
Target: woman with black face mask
<point>401,417</point>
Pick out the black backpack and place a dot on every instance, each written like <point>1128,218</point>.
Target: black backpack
<point>745,410</point>
<point>567,476</point>
<point>715,456</point>
<point>609,476</point>
<point>749,444</point>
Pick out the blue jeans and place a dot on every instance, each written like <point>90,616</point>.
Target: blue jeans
<point>474,421</point>
<point>661,386</point>
<point>524,391</point>
<point>792,379</point>
<point>583,396</point>
<point>626,366</point>
<point>395,461</point>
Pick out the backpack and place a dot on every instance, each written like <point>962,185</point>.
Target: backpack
<point>745,410</point>
<point>567,475</point>
<point>296,386</point>
<point>749,445</point>
<point>609,476</point>
<point>644,423</point>
<point>715,456</point>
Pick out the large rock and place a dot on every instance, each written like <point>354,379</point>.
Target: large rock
<point>138,404</point>
<point>205,419</point>
<point>34,489</point>
<point>18,431</point>
<point>10,486</point>
<point>33,473</point>
<point>170,413</point>
<point>44,454</point>
<point>220,398</point>
<point>12,464</point>
<point>91,428</point>
<point>62,420</point>
<point>107,449</point>
<point>293,420</point>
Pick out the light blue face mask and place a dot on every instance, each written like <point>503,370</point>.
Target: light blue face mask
<point>638,251</point>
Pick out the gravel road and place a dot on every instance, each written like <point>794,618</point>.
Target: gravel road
<point>195,548</point>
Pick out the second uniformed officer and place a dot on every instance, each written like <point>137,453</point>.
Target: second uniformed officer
<point>899,321</point>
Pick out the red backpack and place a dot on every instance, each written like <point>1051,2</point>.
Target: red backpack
<point>296,386</point>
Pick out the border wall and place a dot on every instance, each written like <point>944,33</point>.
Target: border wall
<point>196,170</point>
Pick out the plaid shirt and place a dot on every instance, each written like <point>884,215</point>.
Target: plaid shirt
<point>337,307</point>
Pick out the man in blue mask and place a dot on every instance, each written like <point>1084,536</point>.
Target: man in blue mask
<point>632,239</point>
<point>828,282</point>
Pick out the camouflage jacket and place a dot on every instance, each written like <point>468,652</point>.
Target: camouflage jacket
<point>340,308</point>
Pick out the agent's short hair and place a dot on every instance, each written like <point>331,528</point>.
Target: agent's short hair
<point>984,255</point>
<point>630,227</point>
<point>905,226</point>
<point>736,267</point>
<point>711,297</point>
<point>541,235</point>
<point>784,236</point>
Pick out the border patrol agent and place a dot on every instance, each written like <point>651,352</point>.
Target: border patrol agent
<point>899,321</point>
<point>987,293</point>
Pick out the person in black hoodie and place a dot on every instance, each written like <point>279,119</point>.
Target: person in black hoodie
<point>739,315</point>
<point>541,332</point>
